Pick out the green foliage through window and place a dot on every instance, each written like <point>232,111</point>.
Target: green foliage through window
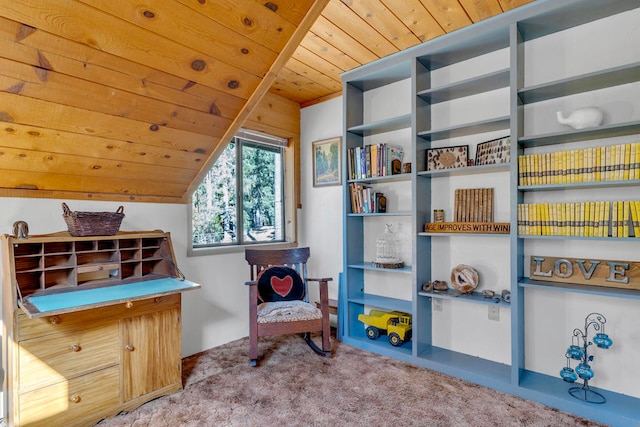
<point>240,202</point>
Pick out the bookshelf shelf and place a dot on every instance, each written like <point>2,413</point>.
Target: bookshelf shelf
<point>605,131</point>
<point>381,126</point>
<point>583,83</point>
<point>469,170</point>
<point>473,86</point>
<point>482,126</point>
<point>473,298</point>
<point>578,185</point>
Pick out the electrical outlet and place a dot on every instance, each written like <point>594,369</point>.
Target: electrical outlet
<point>436,303</point>
<point>494,313</point>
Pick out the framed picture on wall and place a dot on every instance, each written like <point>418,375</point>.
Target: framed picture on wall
<point>447,157</point>
<point>494,151</point>
<point>326,162</point>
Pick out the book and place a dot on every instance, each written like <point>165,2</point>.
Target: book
<point>627,162</point>
<point>625,219</point>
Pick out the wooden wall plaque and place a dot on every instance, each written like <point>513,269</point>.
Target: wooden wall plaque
<point>586,271</point>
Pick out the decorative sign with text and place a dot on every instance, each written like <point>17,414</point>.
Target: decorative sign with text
<point>586,271</point>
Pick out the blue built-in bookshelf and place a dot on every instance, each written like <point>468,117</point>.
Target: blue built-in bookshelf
<point>505,62</point>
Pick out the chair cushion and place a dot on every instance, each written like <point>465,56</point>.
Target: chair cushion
<point>287,311</point>
<point>280,283</point>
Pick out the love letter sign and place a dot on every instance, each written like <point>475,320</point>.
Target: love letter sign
<point>586,271</point>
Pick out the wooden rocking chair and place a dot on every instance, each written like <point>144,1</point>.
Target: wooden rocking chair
<point>279,299</point>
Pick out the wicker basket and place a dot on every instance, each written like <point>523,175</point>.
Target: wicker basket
<point>92,223</point>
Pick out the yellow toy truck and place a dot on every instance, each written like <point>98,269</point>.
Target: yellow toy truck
<point>396,324</point>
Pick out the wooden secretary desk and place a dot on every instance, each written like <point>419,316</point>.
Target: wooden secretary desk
<point>91,325</point>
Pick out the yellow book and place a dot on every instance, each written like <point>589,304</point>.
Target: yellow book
<point>595,219</point>
<point>607,215</point>
<point>586,165</point>
<point>588,219</point>
<point>548,179</point>
<point>619,160</point>
<point>521,170</point>
<point>525,213</point>
<point>532,219</point>
<point>592,164</point>
<point>598,172</point>
<point>571,165</point>
<point>620,218</point>
<point>625,219</point>
<point>562,220</point>
<point>543,168</point>
<point>536,169</point>
<point>637,163</point>
<point>572,219</point>
<point>529,176</point>
<point>520,218</point>
<point>634,217</point>
<point>554,168</point>
<point>627,162</point>
<point>601,214</point>
<point>607,164</point>
<point>632,161</point>
<point>614,219</point>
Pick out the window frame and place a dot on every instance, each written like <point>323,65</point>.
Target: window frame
<point>289,207</point>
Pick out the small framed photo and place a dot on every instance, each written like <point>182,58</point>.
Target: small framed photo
<point>327,162</point>
<point>447,157</point>
<point>494,151</point>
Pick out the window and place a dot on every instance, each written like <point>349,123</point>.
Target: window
<point>241,199</point>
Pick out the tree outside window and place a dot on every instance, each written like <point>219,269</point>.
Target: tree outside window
<point>240,200</point>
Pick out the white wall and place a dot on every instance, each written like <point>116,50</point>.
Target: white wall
<point>320,219</point>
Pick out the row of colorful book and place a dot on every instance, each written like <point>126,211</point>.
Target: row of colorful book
<point>473,205</point>
<point>374,160</point>
<point>611,163</point>
<point>365,199</point>
<point>597,219</point>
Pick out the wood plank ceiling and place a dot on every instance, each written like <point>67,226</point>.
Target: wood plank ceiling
<point>130,99</point>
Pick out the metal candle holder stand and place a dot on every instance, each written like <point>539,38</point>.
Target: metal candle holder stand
<point>580,352</point>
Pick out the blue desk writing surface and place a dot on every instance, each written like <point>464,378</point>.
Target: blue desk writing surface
<point>46,305</point>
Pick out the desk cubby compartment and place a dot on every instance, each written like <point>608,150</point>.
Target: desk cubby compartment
<point>129,270</point>
<point>129,254</point>
<point>85,245</point>
<point>106,245</point>
<point>25,263</point>
<point>20,249</point>
<point>57,247</point>
<point>29,282</point>
<point>60,260</point>
<point>96,257</point>
<point>156,266</point>
<point>59,278</point>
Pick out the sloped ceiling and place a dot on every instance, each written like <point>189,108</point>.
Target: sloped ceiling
<point>130,99</point>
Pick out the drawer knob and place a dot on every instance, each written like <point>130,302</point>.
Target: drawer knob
<point>54,320</point>
<point>129,347</point>
<point>76,347</point>
<point>158,300</point>
<point>129,304</point>
<point>75,398</point>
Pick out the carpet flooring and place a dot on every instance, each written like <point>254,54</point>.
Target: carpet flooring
<point>294,387</point>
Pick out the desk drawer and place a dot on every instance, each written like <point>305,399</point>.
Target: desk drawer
<point>80,401</point>
<point>54,358</point>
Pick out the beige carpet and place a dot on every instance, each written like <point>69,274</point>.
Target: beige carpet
<point>294,387</point>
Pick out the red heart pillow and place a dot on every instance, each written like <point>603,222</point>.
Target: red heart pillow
<point>280,283</point>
